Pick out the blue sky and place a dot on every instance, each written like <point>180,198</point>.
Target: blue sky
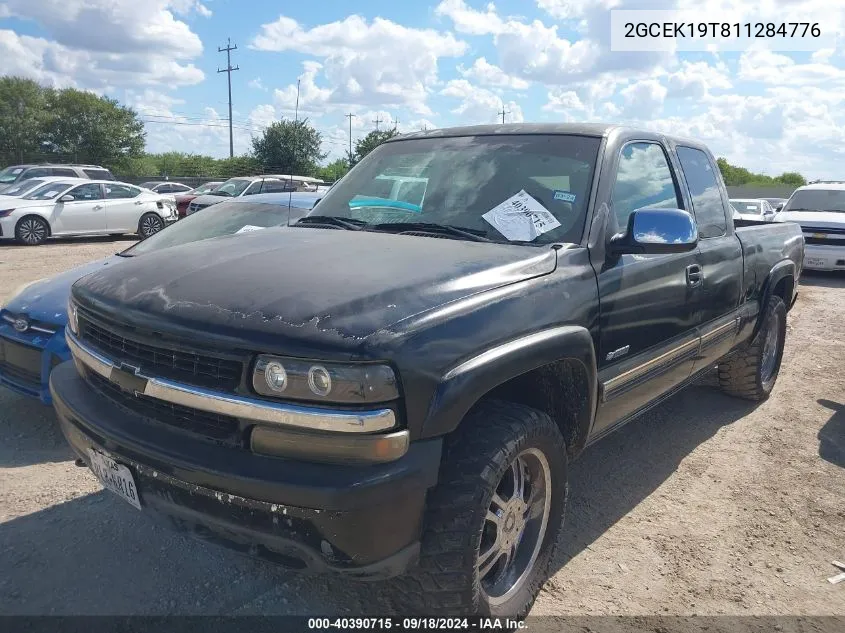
<point>434,64</point>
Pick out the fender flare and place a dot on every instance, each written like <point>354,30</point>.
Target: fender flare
<point>783,269</point>
<point>467,382</point>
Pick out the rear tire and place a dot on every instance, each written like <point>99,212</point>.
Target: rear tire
<point>753,371</point>
<point>32,230</point>
<point>150,224</point>
<point>475,515</point>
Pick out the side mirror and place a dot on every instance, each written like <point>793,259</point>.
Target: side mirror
<point>67,198</point>
<point>779,207</point>
<point>656,231</point>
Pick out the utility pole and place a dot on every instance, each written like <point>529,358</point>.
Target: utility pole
<point>296,112</point>
<point>228,70</point>
<point>377,120</point>
<point>349,158</point>
<point>503,113</point>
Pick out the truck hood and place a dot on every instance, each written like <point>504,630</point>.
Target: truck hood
<point>46,300</point>
<point>820,219</point>
<point>328,289</point>
<point>210,198</point>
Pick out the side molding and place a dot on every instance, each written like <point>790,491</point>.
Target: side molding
<point>466,383</point>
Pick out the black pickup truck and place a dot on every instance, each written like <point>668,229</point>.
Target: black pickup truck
<point>394,385</point>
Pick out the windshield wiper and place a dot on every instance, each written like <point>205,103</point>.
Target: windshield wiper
<point>429,227</point>
<point>344,223</point>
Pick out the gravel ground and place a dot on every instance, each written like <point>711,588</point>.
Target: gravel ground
<point>706,505</point>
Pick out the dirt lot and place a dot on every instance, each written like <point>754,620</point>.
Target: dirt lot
<point>706,505</point>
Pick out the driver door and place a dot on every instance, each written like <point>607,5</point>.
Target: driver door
<point>648,335</point>
<point>86,213</point>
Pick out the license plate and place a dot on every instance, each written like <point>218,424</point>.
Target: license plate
<point>814,262</point>
<point>116,477</point>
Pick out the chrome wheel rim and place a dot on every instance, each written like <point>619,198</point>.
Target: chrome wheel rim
<point>514,526</point>
<point>150,225</point>
<point>770,351</point>
<point>32,231</point>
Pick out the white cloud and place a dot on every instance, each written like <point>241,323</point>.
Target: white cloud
<point>55,65</point>
<point>644,98</point>
<point>779,69</point>
<point>471,21</point>
<point>256,83</point>
<point>697,79</point>
<point>381,63</point>
<point>479,105</point>
<point>569,9</point>
<point>101,44</point>
<point>488,74</point>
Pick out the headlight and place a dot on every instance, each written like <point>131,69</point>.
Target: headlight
<point>72,321</point>
<point>353,383</point>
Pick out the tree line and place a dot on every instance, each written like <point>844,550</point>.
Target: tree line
<point>41,124</point>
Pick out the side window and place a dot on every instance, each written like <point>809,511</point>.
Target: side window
<point>165,188</point>
<point>706,194</point>
<point>179,188</point>
<point>273,186</point>
<point>253,188</point>
<point>92,191</point>
<point>63,171</point>
<point>38,172</point>
<point>643,179</point>
<point>98,174</point>
<point>118,192</point>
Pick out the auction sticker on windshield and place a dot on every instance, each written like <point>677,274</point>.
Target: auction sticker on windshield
<point>116,477</point>
<point>521,218</point>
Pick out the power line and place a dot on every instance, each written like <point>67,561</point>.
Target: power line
<point>349,116</point>
<point>229,70</point>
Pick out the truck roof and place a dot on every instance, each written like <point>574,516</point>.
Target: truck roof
<point>580,129</point>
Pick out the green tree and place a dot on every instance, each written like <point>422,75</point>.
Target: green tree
<point>92,129</point>
<point>23,116</point>
<point>372,140</point>
<point>289,147</point>
<point>792,178</point>
<point>334,170</point>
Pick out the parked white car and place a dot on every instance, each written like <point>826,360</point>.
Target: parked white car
<point>820,211</point>
<point>76,206</point>
<point>754,209</point>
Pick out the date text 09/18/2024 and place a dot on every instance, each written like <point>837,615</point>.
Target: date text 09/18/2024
<point>417,623</point>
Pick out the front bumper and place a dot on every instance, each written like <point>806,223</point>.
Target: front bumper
<point>32,379</point>
<point>824,257</point>
<point>361,521</point>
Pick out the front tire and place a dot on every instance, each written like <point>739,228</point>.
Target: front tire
<point>150,224</point>
<point>752,372</point>
<point>493,520</point>
<point>32,230</point>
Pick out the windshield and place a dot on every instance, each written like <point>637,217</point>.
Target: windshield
<point>206,188</point>
<point>148,185</point>
<point>49,191</point>
<point>748,207</point>
<point>10,174</point>
<point>530,188</point>
<point>234,187</point>
<point>22,187</point>
<point>220,219</point>
<point>817,200</point>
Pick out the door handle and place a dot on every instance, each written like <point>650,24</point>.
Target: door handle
<point>98,207</point>
<point>137,202</point>
<point>694,275</point>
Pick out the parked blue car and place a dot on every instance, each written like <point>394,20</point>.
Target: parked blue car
<point>32,323</point>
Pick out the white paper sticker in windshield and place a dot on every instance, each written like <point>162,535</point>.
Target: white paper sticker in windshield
<point>751,207</point>
<point>250,227</point>
<point>17,171</point>
<point>521,218</point>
